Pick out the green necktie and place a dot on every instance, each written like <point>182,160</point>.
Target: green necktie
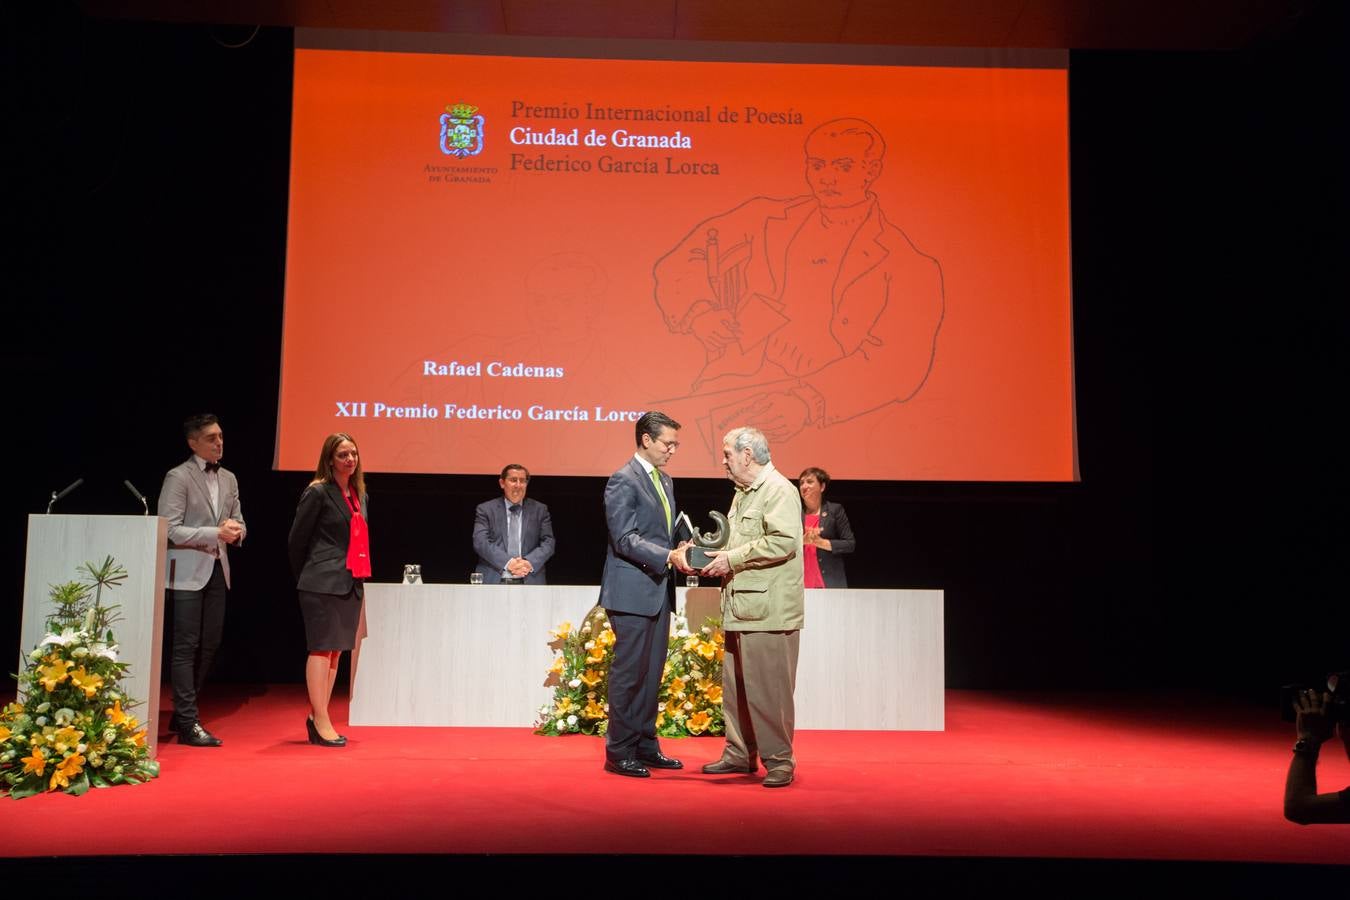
<point>665,504</point>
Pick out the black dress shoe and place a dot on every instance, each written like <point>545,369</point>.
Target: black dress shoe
<point>630,767</point>
<point>778,778</point>
<point>723,767</point>
<point>660,761</point>
<point>195,735</point>
<point>319,740</point>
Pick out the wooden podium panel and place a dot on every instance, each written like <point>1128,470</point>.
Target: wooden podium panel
<point>58,544</point>
<point>477,655</point>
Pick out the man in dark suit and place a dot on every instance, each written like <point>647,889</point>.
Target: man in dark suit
<point>513,536</point>
<point>638,591</point>
<point>201,502</point>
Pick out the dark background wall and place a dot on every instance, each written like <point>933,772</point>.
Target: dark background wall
<point>145,191</point>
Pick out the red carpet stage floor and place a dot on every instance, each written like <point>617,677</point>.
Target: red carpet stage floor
<point>1104,777</point>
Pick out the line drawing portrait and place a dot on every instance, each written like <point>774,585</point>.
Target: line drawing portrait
<point>811,310</point>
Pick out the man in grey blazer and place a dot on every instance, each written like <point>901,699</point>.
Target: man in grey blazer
<point>512,535</point>
<point>201,502</point>
<point>638,591</point>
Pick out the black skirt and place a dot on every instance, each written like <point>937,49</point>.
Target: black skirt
<point>331,619</point>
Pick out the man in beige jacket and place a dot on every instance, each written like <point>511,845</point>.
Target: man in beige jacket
<point>763,603</point>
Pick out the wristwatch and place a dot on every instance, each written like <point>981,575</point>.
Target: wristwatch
<point>1307,747</point>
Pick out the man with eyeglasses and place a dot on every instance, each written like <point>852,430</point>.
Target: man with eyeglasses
<point>638,591</point>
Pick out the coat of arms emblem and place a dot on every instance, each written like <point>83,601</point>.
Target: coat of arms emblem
<point>461,131</point>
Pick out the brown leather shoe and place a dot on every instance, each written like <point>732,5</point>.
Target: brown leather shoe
<point>725,767</point>
<point>778,778</point>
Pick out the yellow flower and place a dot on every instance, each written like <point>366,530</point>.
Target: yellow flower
<point>691,643</point>
<point>559,663</point>
<point>673,708</point>
<point>593,710</point>
<point>720,653</point>
<point>677,687</point>
<point>11,710</point>
<point>714,694</point>
<point>660,718</point>
<point>591,678</point>
<point>115,714</point>
<point>54,674</point>
<point>606,637</point>
<point>705,684</point>
<point>565,706</point>
<point>707,649</point>
<point>35,763</point>
<point>698,722</point>
<point>596,654</point>
<point>86,681</point>
<point>68,769</point>
<point>138,739</point>
<point>4,733</point>
<point>562,631</point>
<point>67,739</point>
<point>719,638</point>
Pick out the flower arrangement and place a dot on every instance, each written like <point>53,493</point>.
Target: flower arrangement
<point>690,701</point>
<point>70,728</point>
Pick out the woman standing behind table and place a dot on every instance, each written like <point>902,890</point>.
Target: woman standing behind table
<point>827,536</point>
<point>330,555</point>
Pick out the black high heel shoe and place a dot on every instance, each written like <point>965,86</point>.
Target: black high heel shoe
<point>318,739</point>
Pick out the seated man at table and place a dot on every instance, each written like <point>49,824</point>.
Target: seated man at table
<point>513,536</point>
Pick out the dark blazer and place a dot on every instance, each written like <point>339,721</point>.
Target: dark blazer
<point>489,539</point>
<point>835,528</point>
<point>320,536</point>
<point>636,577</point>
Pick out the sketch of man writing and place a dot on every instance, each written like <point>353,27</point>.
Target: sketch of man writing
<point>811,310</point>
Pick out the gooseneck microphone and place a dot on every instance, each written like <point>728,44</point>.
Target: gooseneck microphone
<point>61,494</point>
<point>137,494</point>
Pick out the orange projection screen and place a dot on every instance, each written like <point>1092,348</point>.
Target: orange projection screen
<point>498,258</point>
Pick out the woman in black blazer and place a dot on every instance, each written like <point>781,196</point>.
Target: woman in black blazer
<point>330,556</point>
<point>827,536</point>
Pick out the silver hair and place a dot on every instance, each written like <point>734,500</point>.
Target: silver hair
<point>745,436</point>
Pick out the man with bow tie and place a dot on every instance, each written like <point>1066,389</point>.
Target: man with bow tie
<point>201,501</point>
<point>512,535</point>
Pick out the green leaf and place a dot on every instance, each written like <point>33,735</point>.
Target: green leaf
<point>27,788</point>
<point>99,781</point>
<point>79,786</point>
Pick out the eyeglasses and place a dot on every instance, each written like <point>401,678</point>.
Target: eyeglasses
<point>670,445</point>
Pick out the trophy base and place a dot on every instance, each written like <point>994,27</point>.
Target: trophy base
<point>698,557</point>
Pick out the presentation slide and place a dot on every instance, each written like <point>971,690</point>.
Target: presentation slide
<point>508,258</point>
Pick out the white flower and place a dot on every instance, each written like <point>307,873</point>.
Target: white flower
<point>561,724</point>
<point>109,736</point>
<point>80,652</point>
<point>575,682</point>
<point>80,748</point>
<point>67,637</point>
<point>43,707</point>
<point>96,761</point>
<point>589,644</point>
<point>104,650</point>
<point>688,704</point>
<point>706,630</point>
<point>683,633</point>
<point>36,654</point>
<point>572,720</point>
<point>40,721</point>
<point>65,716</point>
